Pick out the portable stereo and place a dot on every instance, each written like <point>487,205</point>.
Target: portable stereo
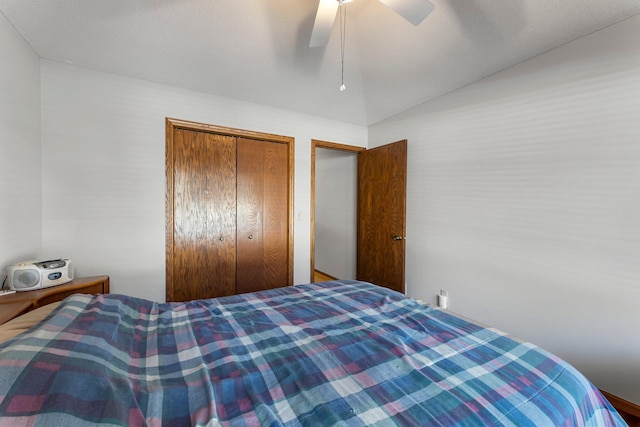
<point>30,275</point>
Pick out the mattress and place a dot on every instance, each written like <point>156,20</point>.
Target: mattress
<point>22,323</point>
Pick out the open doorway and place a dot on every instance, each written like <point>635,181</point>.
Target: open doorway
<point>334,169</point>
<point>380,206</point>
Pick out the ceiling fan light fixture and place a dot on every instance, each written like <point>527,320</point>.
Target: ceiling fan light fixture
<point>414,11</point>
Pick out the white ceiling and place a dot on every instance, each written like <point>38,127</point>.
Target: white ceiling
<point>257,50</point>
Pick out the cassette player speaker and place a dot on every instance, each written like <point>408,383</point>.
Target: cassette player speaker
<point>30,275</point>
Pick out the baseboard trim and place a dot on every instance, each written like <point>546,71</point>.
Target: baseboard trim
<point>622,405</point>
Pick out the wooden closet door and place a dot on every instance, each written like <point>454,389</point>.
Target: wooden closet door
<point>204,216</point>
<point>262,215</point>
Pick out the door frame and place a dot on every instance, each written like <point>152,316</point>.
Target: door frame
<point>315,143</point>
<point>171,125</point>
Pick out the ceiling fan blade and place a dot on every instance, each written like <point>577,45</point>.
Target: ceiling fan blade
<point>325,18</point>
<point>413,11</point>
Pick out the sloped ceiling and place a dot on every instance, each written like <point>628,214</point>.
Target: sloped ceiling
<point>257,50</point>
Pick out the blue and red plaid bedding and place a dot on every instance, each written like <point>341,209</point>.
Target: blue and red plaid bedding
<point>346,353</point>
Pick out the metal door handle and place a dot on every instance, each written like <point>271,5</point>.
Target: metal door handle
<point>222,238</point>
<point>397,237</point>
<point>250,236</point>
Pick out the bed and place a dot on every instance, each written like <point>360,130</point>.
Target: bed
<point>336,353</point>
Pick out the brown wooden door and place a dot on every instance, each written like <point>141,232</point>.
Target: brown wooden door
<point>204,215</point>
<point>263,236</point>
<point>382,184</point>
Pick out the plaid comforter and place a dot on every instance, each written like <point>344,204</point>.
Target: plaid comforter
<point>346,353</point>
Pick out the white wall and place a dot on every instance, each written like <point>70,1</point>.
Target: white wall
<point>103,139</point>
<point>336,212</point>
<point>20,176</point>
<point>524,202</point>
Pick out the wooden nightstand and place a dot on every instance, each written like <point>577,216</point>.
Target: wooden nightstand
<point>14,305</point>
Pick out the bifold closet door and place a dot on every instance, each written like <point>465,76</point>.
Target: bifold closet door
<point>262,215</point>
<point>204,215</point>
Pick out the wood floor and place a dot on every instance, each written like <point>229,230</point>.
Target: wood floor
<point>319,276</point>
<point>629,411</point>
<point>633,421</point>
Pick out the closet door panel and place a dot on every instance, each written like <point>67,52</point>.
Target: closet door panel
<point>204,252</point>
<point>262,215</point>
<point>275,212</point>
<point>250,192</point>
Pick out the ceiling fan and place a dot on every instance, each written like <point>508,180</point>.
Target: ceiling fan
<point>413,11</point>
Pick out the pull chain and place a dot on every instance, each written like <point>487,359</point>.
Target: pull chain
<point>343,34</point>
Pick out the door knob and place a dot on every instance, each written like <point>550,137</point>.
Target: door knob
<point>222,238</point>
<point>397,237</point>
<point>250,236</point>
